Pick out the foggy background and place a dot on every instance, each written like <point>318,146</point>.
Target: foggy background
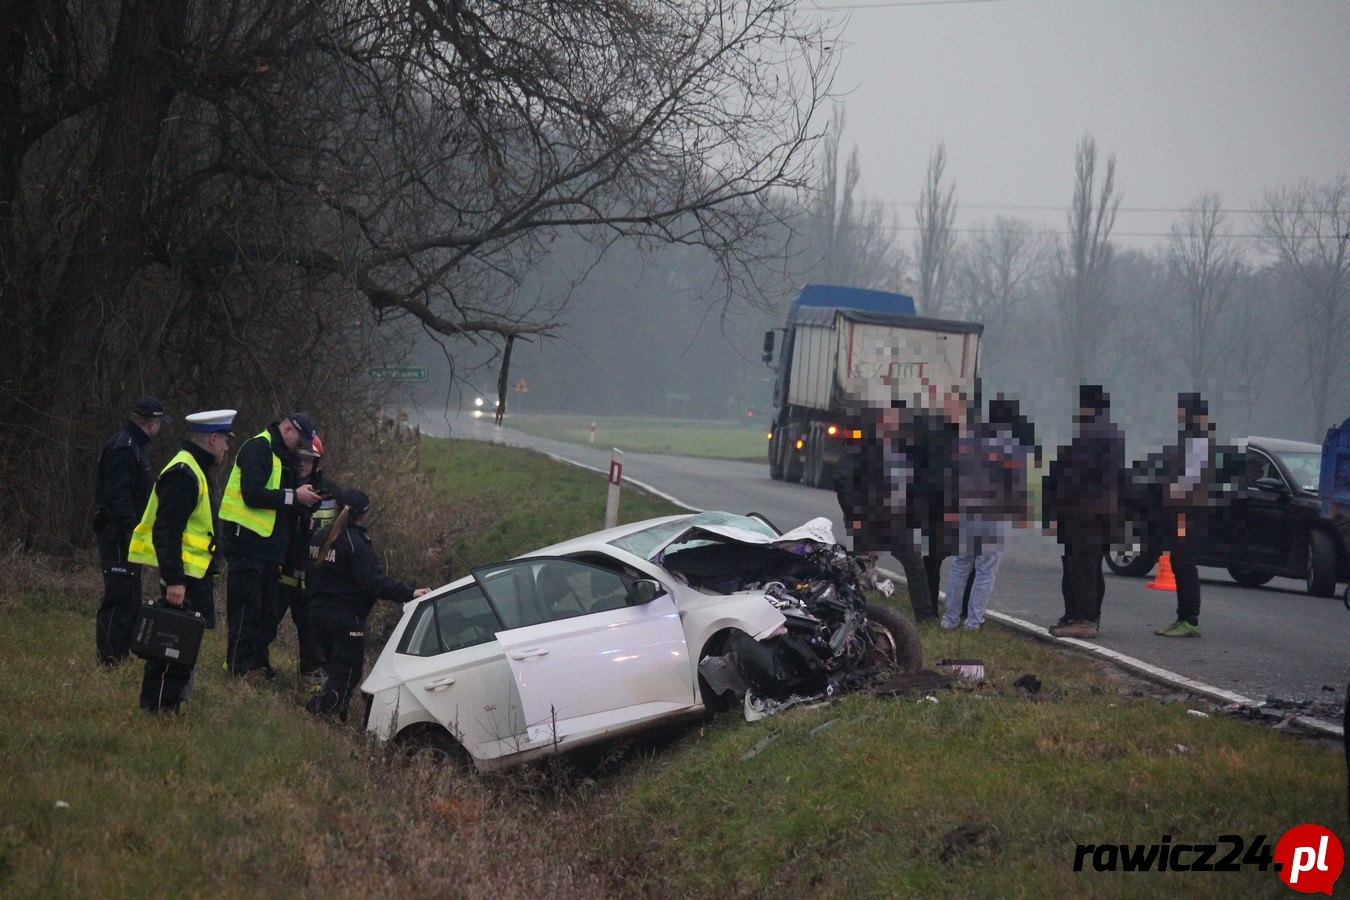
<point>1237,108</point>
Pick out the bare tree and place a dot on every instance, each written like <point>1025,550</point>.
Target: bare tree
<point>851,239</point>
<point>1203,264</point>
<point>997,271</point>
<point>1306,229</point>
<point>227,171</point>
<point>1082,293</point>
<point>936,214</point>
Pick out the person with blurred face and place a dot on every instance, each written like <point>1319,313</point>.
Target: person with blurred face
<point>256,521</point>
<point>1190,467</point>
<point>1082,509</point>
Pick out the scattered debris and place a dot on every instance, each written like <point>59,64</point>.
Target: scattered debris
<point>825,726</point>
<point>920,682</point>
<point>1029,683</point>
<point>1182,749</point>
<point>1196,712</point>
<point>760,745</point>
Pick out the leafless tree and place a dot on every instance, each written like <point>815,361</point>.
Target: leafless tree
<point>997,271</point>
<point>1306,228</point>
<point>851,240</point>
<point>246,175</point>
<point>936,214</point>
<point>1203,264</point>
<point>1082,294</point>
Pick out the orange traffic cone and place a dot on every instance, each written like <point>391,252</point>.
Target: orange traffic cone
<point>1165,581</point>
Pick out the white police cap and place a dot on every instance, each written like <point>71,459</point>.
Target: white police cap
<point>221,420</point>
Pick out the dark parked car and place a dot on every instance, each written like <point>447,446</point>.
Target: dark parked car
<point>1266,518</point>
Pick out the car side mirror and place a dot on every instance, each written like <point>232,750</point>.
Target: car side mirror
<point>1275,485</point>
<point>645,590</point>
<point>768,347</point>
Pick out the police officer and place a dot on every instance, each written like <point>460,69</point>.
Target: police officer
<point>254,535</point>
<point>123,480</point>
<point>345,580</point>
<point>291,593</point>
<point>177,533</point>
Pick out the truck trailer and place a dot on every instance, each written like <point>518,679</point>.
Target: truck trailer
<point>846,349</point>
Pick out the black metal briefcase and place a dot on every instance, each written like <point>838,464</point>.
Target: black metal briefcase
<point>163,632</point>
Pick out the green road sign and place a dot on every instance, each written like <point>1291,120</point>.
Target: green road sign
<point>399,373</point>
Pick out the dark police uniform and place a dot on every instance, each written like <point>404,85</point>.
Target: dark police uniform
<point>291,593</point>
<point>343,589</point>
<point>122,485</point>
<point>178,495</point>
<point>261,490</point>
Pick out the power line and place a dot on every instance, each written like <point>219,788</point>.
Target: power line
<point>890,4</point>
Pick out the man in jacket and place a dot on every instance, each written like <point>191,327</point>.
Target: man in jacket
<point>1082,496</point>
<point>256,519</point>
<point>123,480</point>
<point>177,533</point>
<point>1185,506</point>
<point>874,484</point>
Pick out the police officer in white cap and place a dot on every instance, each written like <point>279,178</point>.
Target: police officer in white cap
<point>177,533</point>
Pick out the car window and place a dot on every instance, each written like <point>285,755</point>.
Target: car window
<point>450,622</point>
<point>1260,466</point>
<point>1305,467</point>
<point>529,591</point>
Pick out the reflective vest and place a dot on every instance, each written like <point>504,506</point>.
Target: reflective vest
<point>232,505</point>
<point>197,536</point>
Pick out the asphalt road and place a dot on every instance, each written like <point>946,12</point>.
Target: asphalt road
<point>1274,642</point>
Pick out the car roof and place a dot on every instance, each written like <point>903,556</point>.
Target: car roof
<point>598,539</point>
<point>1283,445</point>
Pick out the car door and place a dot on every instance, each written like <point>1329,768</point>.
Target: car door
<point>1269,534</point>
<point>450,663</point>
<point>584,655</point>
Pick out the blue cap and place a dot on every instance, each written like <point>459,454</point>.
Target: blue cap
<point>150,408</point>
<point>221,420</point>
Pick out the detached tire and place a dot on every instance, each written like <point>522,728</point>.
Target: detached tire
<point>1249,579</point>
<point>895,638</point>
<point>1321,564</point>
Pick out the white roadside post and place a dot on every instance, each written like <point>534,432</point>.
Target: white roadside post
<point>615,482</point>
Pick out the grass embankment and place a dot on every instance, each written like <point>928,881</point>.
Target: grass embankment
<point>709,440</point>
<point>982,793</point>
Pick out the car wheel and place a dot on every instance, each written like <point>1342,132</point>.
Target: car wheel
<point>1321,564</point>
<point>814,459</point>
<point>1131,562</point>
<point>894,638</point>
<point>436,745</point>
<point>1248,578</point>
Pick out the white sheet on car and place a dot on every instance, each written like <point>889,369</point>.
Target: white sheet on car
<point>819,530</point>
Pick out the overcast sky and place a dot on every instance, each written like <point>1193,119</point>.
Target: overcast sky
<point>1233,96</point>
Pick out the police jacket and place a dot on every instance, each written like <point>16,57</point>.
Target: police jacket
<point>351,575</point>
<point>306,521</point>
<point>177,491</point>
<point>258,459</point>
<point>123,480</point>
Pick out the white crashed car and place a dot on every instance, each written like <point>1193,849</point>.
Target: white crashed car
<point>603,635</point>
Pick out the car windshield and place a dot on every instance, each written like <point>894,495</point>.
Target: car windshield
<point>646,542</point>
<point>1305,467</point>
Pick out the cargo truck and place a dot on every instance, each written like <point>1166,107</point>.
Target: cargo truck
<point>845,349</point>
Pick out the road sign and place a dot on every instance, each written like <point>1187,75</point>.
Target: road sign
<point>399,373</point>
<point>522,387</point>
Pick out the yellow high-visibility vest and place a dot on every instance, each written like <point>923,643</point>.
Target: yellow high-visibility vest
<point>232,505</point>
<point>197,536</point>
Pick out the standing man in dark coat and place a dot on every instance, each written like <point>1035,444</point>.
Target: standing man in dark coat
<point>256,520</point>
<point>1082,508</point>
<point>177,533</point>
<point>123,480</point>
<point>874,483</point>
<point>932,443</point>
